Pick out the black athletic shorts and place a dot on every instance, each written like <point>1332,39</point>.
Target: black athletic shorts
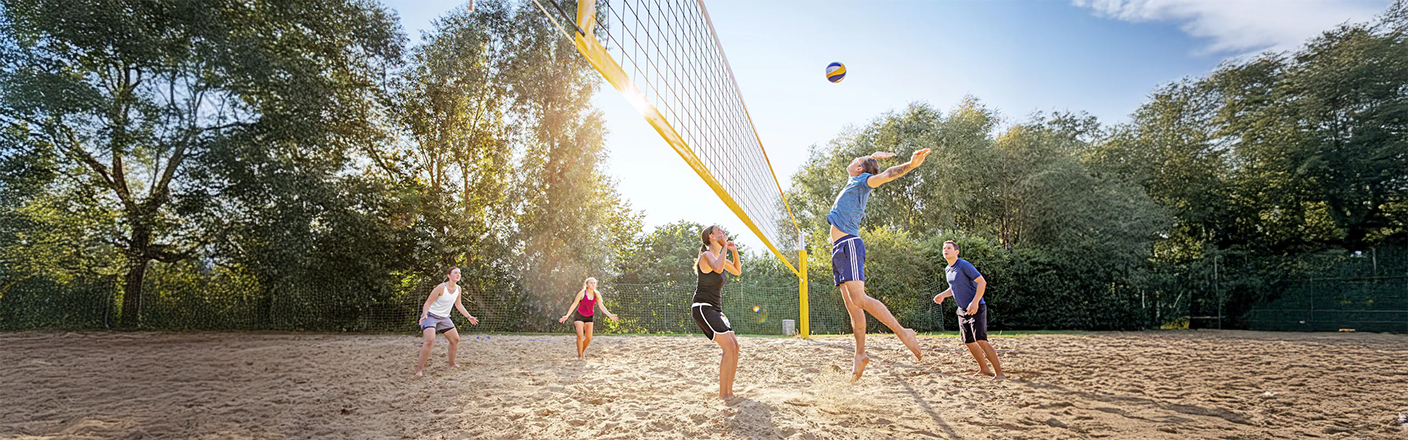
<point>973,327</point>
<point>578,317</point>
<point>710,320</point>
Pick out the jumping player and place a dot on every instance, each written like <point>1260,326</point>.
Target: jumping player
<point>848,251</point>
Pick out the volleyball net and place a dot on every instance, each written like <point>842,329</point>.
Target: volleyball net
<point>665,58</point>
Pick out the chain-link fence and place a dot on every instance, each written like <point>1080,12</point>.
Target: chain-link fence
<point>1376,304</point>
<point>1367,291</point>
<point>184,301</point>
<point>177,301</point>
<point>35,302</point>
<point>1364,291</point>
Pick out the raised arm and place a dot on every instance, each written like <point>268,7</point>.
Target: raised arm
<point>711,262</point>
<point>896,171</point>
<point>734,267</point>
<point>570,309</point>
<point>459,304</point>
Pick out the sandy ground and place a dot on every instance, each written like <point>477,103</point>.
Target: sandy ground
<point>1186,384</point>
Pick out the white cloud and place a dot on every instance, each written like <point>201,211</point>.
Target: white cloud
<point>1243,26</point>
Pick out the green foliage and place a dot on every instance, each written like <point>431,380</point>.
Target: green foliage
<point>123,96</point>
<point>454,106</point>
<point>294,166</point>
<point>1286,153</point>
<point>664,256</point>
<point>200,164</point>
<point>1048,227</point>
<point>1273,162</point>
<point>897,275</point>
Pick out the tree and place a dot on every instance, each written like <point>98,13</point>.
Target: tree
<point>570,221</point>
<point>665,255</point>
<point>125,94</point>
<point>455,105</point>
<point>944,193</point>
<point>1344,93</point>
<point>1040,190</point>
<point>1285,153</point>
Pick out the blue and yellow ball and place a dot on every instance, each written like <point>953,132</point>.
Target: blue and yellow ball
<point>835,72</point>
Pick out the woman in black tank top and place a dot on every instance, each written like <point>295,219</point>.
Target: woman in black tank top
<point>707,307</point>
<point>711,286</point>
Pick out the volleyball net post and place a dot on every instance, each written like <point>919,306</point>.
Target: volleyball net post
<point>665,58</point>
<point>803,307</point>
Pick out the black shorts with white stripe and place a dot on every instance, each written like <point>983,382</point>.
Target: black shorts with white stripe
<point>710,320</point>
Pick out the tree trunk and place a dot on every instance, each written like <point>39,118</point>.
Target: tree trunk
<point>136,272</point>
<point>132,293</point>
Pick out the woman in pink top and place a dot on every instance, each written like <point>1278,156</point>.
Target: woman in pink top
<point>581,313</point>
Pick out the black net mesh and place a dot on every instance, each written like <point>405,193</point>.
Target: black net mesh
<point>670,54</point>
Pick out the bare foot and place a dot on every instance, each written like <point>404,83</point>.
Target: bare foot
<point>454,365</point>
<point>912,343</point>
<point>418,373</point>
<point>858,367</point>
<point>999,378</point>
<point>983,373</point>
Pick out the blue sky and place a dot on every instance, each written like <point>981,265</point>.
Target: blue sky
<point>1018,57</point>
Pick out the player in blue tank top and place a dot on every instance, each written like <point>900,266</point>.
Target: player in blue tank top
<point>848,251</point>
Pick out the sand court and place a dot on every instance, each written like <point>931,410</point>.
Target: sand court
<point>1182,384</point>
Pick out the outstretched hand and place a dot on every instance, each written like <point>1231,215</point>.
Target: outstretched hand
<point>563,319</point>
<point>473,320</point>
<point>611,315</point>
<point>919,156</point>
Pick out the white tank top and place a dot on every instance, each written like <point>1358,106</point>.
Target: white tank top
<point>445,304</point>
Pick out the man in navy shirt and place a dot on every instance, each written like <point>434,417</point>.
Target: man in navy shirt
<point>966,286</point>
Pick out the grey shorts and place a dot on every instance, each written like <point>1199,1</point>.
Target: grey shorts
<point>439,323</point>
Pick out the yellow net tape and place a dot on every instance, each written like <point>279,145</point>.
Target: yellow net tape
<point>665,58</point>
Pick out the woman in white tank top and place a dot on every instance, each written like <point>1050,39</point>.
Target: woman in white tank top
<point>435,316</point>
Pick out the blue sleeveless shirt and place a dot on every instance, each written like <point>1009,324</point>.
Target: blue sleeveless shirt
<point>849,208</point>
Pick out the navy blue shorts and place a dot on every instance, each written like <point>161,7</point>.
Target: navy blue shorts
<point>848,259</point>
